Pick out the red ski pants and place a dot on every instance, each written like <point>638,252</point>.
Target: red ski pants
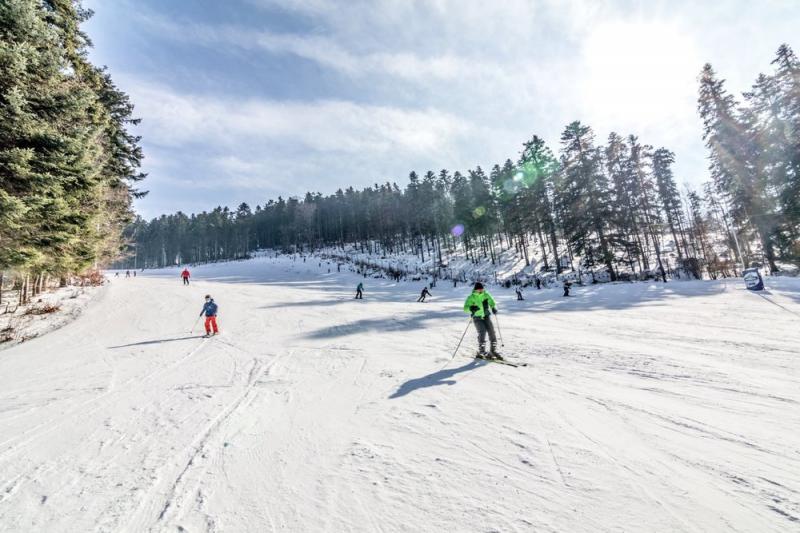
<point>211,322</point>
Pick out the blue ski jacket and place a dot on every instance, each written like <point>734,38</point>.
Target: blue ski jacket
<point>209,308</point>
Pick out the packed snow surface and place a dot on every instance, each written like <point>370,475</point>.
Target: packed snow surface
<point>645,407</point>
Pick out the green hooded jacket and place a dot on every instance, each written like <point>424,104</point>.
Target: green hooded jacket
<point>483,300</point>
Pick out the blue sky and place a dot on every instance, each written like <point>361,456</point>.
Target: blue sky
<point>250,99</point>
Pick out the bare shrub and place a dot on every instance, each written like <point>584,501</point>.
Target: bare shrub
<point>44,309</point>
<point>93,278</point>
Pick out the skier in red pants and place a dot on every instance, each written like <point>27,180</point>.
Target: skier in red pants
<point>210,310</point>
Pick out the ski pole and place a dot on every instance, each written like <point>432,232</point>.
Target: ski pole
<point>194,325</point>
<point>499,331</point>
<point>469,321</point>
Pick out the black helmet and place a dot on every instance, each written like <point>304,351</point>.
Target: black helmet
<point>478,285</point>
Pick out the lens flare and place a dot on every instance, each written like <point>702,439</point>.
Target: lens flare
<point>458,230</point>
<point>478,212</point>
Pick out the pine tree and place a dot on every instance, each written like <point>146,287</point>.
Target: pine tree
<point>484,211</point>
<point>626,212</point>
<point>734,162</point>
<point>787,81</point>
<point>585,198</point>
<point>538,171</point>
<point>67,161</point>
<point>669,197</point>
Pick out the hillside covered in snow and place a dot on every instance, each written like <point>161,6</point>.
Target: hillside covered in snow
<point>644,407</point>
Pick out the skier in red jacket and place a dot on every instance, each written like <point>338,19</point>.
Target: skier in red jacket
<point>185,275</point>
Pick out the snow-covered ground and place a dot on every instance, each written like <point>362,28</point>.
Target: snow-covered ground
<point>646,407</point>
<point>29,321</point>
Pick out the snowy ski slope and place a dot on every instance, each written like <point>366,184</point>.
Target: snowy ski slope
<point>646,407</point>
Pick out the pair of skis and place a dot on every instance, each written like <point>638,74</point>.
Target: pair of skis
<point>500,361</point>
<point>478,356</point>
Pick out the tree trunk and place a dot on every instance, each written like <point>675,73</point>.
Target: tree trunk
<point>524,247</point>
<point>543,245</point>
<point>554,244</point>
<point>24,290</point>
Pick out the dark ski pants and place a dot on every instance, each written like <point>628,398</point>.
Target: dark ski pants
<point>484,326</point>
<point>185,281</point>
<point>359,295</point>
<point>421,298</point>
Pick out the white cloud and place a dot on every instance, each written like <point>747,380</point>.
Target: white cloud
<point>261,148</point>
<point>456,83</point>
<point>327,126</point>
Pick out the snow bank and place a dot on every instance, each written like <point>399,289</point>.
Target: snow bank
<point>48,311</point>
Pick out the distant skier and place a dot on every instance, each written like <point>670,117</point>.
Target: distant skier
<point>425,292</point>
<point>519,293</point>
<point>127,273</point>
<point>360,291</point>
<point>210,310</point>
<point>538,284</point>
<point>478,304</point>
<point>185,276</point>
<point>567,285</point>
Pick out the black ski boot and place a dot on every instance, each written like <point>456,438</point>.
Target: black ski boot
<point>493,354</point>
<point>482,353</point>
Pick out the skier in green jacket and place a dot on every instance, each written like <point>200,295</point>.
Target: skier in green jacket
<point>479,304</point>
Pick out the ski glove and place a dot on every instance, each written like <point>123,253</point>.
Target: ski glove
<point>494,310</point>
<point>473,309</point>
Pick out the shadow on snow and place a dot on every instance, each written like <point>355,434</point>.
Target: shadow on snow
<point>157,341</point>
<point>408,323</point>
<point>441,377</point>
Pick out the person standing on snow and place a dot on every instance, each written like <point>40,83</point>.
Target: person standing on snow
<point>360,291</point>
<point>519,293</point>
<point>478,305</point>
<point>185,276</point>
<point>425,292</point>
<point>210,310</point>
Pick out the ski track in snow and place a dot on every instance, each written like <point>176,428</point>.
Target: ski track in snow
<point>645,407</point>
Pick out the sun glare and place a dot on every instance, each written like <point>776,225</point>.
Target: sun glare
<point>643,67</point>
